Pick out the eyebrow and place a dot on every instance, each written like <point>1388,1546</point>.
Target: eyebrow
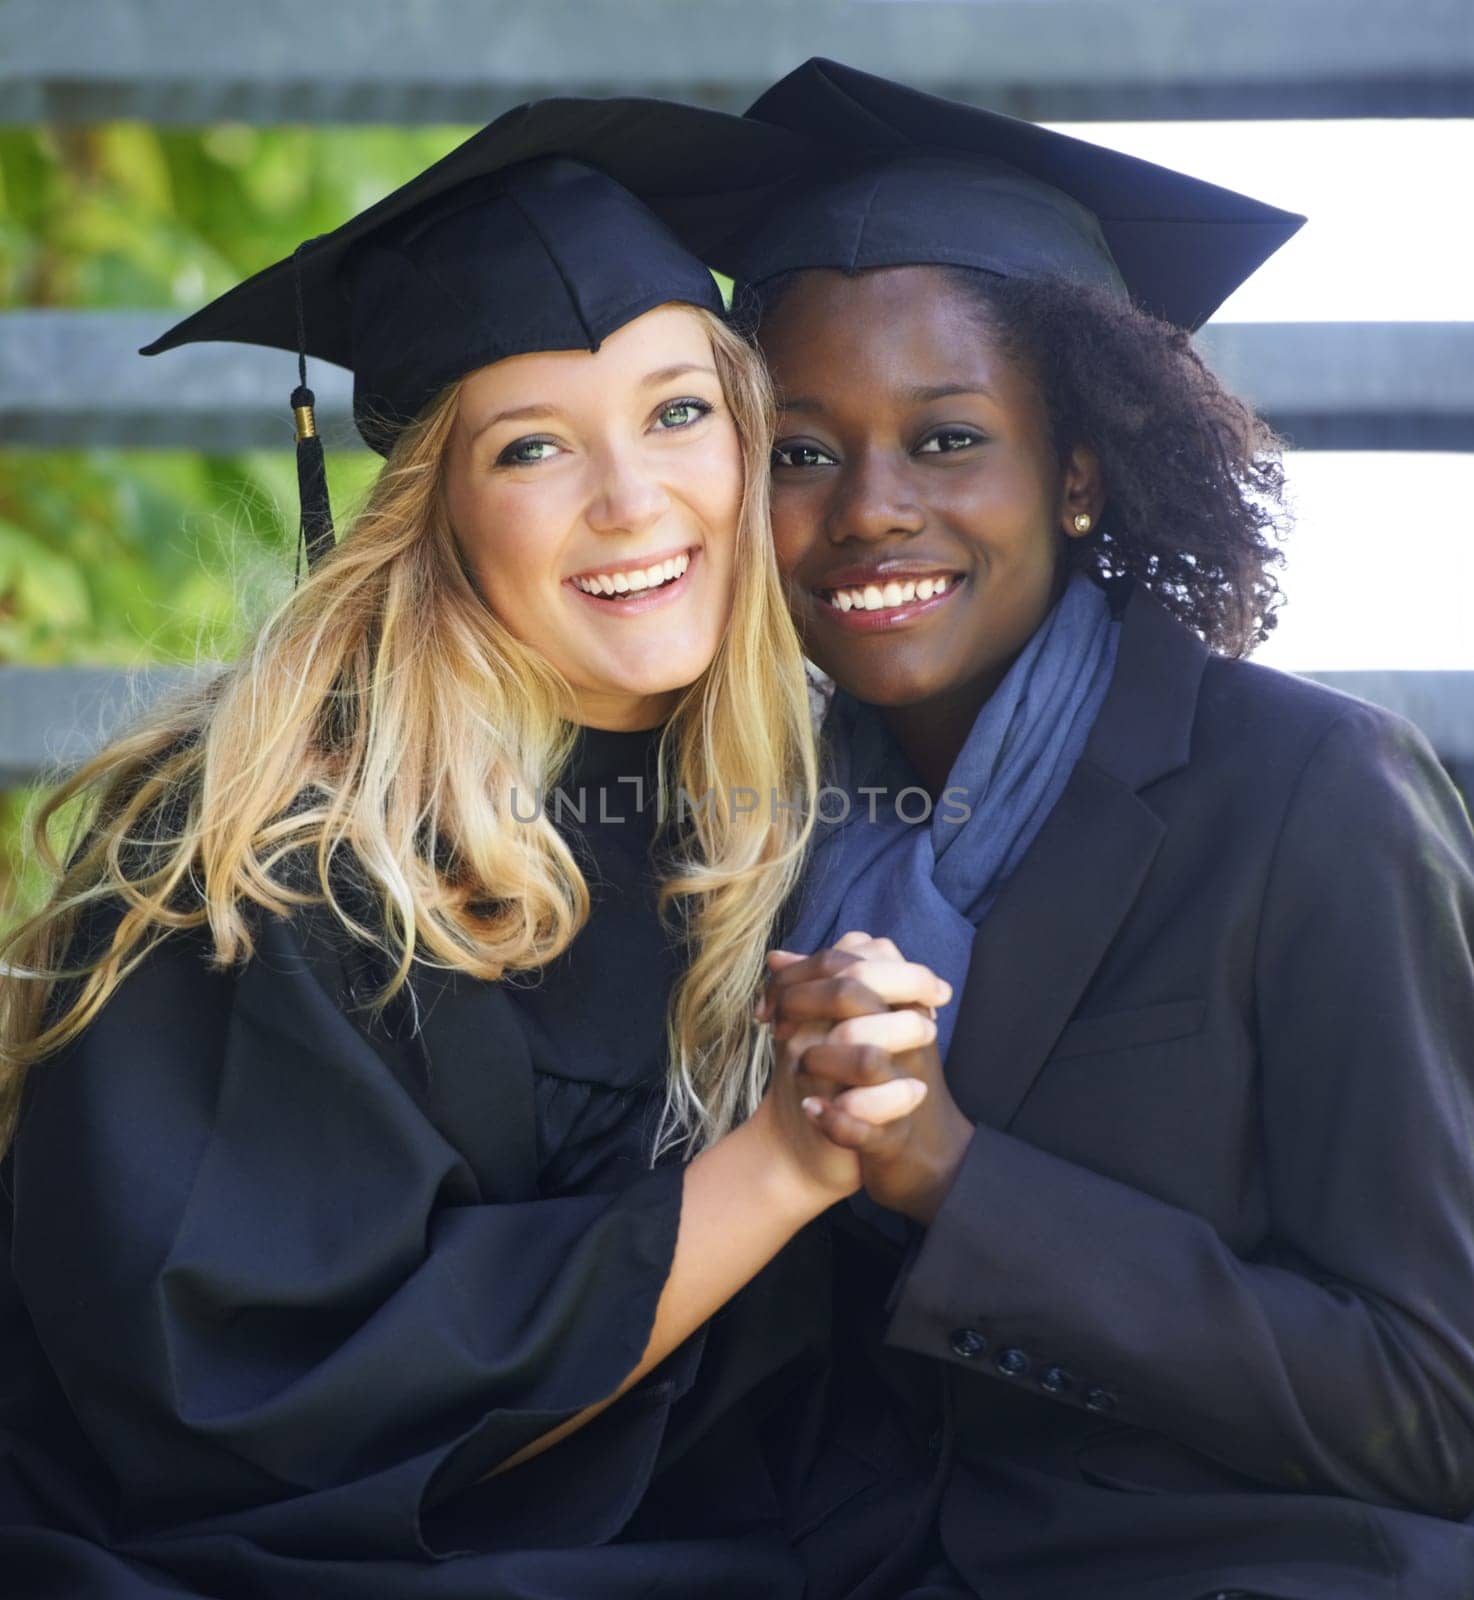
<point>665,374</point>
<point>949,391</point>
<point>920,397</point>
<point>539,413</point>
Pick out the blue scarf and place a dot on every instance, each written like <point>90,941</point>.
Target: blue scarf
<point>928,882</point>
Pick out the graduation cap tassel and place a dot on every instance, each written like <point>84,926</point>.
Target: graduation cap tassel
<point>312,479</point>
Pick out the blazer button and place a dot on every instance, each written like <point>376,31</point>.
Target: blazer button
<point>1100,1400</point>
<point>1013,1363</point>
<point>968,1342</point>
<point>1056,1380</point>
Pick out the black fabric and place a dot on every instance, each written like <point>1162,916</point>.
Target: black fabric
<point>598,1055</point>
<point>905,178</point>
<point>283,1284</point>
<point>528,236</point>
<point>1218,1215</point>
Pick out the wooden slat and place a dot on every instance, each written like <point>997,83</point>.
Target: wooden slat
<point>466,60</point>
<point>1353,385</point>
<point>53,718</point>
<point>74,378</point>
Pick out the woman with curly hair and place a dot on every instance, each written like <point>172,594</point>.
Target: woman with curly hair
<point>389,1123</point>
<point>1167,1289</point>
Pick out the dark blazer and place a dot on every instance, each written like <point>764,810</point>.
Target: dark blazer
<point>1197,1314</point>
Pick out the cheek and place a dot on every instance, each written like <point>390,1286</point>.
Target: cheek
<point>795,523</point>
<point>710,482</point>
<point>1002,512</point>
<point>509,532</point>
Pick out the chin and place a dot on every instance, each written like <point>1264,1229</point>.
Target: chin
<point>655,678</point>
<point>891,682</point>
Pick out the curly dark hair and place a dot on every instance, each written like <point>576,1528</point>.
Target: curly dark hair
<point>1195,506</point>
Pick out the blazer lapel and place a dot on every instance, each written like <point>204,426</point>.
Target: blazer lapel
<point>1046,934</point>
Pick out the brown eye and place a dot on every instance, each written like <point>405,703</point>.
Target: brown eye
<point>945,440</point>
<point>792,454</point>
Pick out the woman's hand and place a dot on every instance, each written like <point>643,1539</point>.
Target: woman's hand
<point>908,1163</point>
<point>807,1158</point>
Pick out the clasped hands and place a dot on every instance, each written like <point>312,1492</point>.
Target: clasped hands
<point>855,1053</point>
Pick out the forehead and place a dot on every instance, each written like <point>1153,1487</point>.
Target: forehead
<point>668,336</point>
<point>858,338</point>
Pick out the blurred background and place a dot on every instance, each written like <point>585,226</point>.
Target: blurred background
<point>153,152</point>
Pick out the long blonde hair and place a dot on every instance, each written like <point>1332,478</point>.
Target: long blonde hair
<point>385,715</point>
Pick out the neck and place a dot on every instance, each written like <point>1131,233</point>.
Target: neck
<point>932,732</point>
<point>624,713</point>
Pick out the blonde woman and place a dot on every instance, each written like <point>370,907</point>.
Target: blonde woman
<point>352,1073</point>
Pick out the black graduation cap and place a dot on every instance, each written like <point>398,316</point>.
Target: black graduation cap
<point>910,179</point>
<point>529,236</point>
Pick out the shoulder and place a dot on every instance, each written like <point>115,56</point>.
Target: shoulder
<point>1278,721</point>
<point>1285,706</point>
<point>1354,782</point>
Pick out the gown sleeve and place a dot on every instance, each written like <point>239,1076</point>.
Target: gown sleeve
<point>276,1300</point>
<point>1341,1357</point>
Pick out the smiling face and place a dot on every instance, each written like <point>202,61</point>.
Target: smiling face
<point>919,510</point>
<point>596,497</point>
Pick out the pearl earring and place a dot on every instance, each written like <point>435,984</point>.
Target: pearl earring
<point>1083,522</point>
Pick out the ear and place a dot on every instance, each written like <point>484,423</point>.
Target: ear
<point>1082,492</point>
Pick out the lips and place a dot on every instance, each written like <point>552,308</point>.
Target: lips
<point>888,594</point>
<point>884,595</point>
<point>632,590</point>
<point>632,580</point>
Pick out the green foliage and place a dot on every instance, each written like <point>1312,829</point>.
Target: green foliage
<point>126,215</point>
<point>127,557</point>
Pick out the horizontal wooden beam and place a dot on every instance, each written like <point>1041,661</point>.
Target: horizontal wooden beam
<point>53,718</point>
<point>1352,385</point>
<point>74,378</point>
<point>181,61</point>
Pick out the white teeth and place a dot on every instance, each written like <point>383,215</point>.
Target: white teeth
<point>877,597</point>
<point>633,582</point>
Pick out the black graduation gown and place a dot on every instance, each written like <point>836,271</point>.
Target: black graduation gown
<point>284,1284</point>
<point>1197,1313</point>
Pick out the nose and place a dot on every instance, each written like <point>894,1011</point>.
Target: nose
<point>873,500</point>
<point>628,497</point>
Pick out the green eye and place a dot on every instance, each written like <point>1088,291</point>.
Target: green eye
<point>682,413</point>
<point>527,453</point>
